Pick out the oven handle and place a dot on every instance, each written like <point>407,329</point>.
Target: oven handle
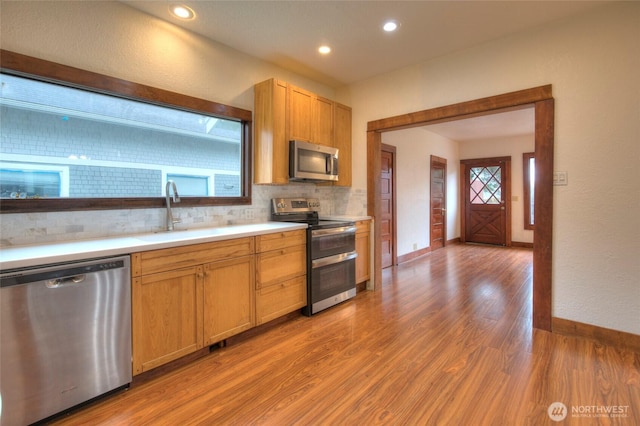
<point>330,260</point>
<point>333,231</point>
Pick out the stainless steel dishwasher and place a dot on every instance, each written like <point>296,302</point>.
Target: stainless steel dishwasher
<point>66,336</point>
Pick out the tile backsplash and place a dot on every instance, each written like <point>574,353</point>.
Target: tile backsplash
<point>34,228</point>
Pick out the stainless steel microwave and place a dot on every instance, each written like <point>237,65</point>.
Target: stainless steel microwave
<point>312,162</point>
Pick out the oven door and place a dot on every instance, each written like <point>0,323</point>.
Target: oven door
<point>327,242</point>
<point>332,280</point>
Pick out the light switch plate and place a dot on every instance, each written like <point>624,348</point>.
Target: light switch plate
<point>560,178</point>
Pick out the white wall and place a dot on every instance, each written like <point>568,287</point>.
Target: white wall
<point>512,147</point>
<point>414,148</point>
<point>592,62</point>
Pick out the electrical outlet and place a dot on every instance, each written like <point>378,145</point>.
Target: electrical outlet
<point>415,246</point>
<point>560,178</point>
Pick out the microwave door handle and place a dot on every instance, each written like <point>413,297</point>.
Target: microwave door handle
<point>328,164</point>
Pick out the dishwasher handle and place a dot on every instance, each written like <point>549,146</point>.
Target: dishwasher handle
<point>62,274</point>
<point>63,282</point>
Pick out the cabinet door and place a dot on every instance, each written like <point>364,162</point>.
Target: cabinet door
<point>342,141</point>
<point>300,114</point>
<point>323,122</point>
<point>229,298</point>
<point>271,146</point>
<point>167,317</point>
<point>362,248</point>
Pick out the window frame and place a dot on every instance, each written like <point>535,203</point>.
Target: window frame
<point>29,67</point>
<point>527,196</point>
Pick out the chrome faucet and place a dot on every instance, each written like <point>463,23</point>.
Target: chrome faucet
<point>176,199</point>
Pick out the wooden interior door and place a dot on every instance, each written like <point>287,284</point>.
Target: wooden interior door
<point>387,219</point>
<point>438,203</point>
<point>485,194</point>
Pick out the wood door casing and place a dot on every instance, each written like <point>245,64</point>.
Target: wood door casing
<point>387,201</point>
<point>541,98</point>
<point>438,203</point>
<point>486,195</point>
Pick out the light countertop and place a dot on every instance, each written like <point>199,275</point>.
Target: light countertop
<point>13,257</point>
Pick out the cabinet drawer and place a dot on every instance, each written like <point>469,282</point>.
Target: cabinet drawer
<point>150,262</point>
<point>279,265</point>
<point>280,240</point>
<point>280,299</point>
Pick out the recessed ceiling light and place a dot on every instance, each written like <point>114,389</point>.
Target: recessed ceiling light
<point>325,50</point>
<point>390,26</point>
<point>183,12</point>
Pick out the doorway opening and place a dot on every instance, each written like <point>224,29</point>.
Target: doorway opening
<point>542,100</point>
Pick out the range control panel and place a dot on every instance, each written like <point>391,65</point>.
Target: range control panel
<point>294,205</point>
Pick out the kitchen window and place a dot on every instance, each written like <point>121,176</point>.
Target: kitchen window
<point>75,140</point>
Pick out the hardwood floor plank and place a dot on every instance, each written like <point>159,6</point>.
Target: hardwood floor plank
<point>447,339</point>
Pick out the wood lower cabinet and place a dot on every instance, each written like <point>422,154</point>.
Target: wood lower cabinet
<point>229,298</point>
<point>280,299</point>
<point>166,317</point>
<point>281,268</point>
<point>363,248</point>
<point>186,298</point>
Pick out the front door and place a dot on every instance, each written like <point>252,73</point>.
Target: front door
<point>438,227</point>
<point>486,217</point>
<point>387,221</point>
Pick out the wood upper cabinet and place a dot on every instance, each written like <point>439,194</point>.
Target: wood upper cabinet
<point>229,298</point>
<point>284,112</point>
<point>323,122</point>
<point>271,143</point>
<point>342,141</point>
<point>363,248</point>
<point>300,114</point>
<point>281,268</point>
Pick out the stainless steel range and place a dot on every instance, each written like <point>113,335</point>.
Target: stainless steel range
<point>331,264</point>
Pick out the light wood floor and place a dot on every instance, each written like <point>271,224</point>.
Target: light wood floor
<point>447,341</point>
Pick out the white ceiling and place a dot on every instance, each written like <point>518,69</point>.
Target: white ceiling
<point>288,33</point>
<point>498,125</point>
